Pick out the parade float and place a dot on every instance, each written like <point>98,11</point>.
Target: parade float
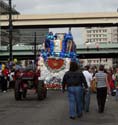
<point>54,59</point>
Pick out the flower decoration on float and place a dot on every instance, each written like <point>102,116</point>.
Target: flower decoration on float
<point>55,64</point>
<point>56,50</point>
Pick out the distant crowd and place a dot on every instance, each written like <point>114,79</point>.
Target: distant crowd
<point>7,70</point>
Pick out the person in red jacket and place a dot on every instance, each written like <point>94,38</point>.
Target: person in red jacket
<point>5,73</point>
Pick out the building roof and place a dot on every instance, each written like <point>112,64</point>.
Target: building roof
<point>22,36</point>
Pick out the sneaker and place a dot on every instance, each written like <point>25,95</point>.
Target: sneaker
<point>87,110</point>
<point>106,100</point>
<point>79,116</point>
<point>71,117</point>
<point>100,111</point>
<point>4,91</point>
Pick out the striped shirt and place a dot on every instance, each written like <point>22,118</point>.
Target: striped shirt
<point>101,79</point>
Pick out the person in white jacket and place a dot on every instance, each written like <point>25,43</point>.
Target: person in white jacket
<point>86,97</point>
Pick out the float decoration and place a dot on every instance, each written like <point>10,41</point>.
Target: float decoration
<point>59,50</point>
<point>59,45</point>
<point>55,64</point>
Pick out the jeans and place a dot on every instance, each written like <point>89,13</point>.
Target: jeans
<point>87,100</point>
<point>116,94</point>
<point>75,96</point>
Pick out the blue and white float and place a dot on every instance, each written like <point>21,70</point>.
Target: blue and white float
<point>59,50</point>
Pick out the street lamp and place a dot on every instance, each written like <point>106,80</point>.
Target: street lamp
<point>10,30</point>
<point>35,47</point>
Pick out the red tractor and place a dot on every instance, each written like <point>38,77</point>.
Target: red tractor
<point>29,80</point>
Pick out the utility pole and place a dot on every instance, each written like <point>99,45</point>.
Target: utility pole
<point>10,30</point>
<point>35,47</point>
<point>69,29</point>
<point>117,28</point>
<point>0,30</point>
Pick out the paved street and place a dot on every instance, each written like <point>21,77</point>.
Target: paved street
<point>52,111</point>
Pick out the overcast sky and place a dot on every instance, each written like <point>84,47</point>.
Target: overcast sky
<point>65,6</point>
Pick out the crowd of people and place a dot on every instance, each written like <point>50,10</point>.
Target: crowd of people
<point>80,82</point>
<point>7,70</point>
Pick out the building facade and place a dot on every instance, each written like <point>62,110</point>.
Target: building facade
<point>101,35</point>
<point>4,8</point>
<point>95,36</point>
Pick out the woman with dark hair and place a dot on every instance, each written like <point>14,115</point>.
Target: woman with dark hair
<point>74,80</point>
<point>102,86</point>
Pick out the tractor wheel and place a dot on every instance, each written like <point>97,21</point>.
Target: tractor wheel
<point>41,91</point>
<point>17,92</point>
<point>45,92</point>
